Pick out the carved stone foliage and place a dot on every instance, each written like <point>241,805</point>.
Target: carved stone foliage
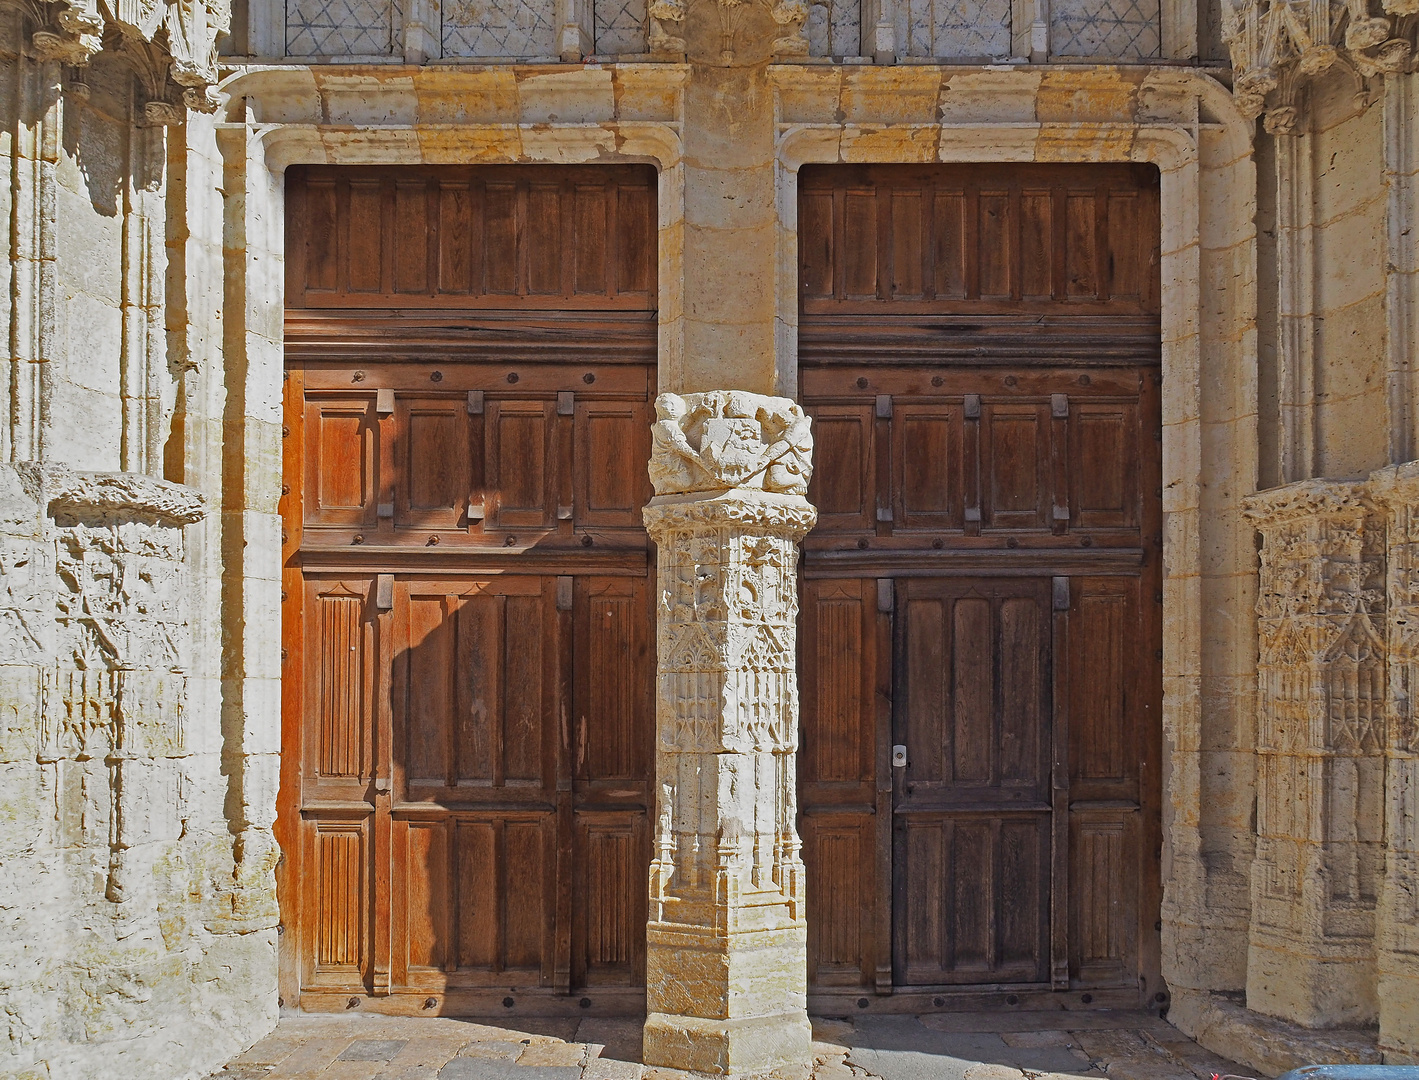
<point>1276,45</point>
<point>730,470</point>
<point>170,44</point>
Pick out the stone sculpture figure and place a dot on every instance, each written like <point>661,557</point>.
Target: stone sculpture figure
<point>728,439</point>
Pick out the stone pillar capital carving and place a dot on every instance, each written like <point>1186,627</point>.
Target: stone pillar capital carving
<point>726,963</point>
<point>170,44</point>
<point>1278,45</point>
<point>730,439</point>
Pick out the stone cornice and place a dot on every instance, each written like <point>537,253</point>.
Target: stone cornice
<point>1307,498</point>
<point>785,515</point>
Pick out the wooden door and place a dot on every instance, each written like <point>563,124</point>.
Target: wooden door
<point>980,644</point>
<point>468,600</point>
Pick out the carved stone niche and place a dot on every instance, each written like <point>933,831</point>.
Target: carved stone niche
<point>726,962</point>
<point>1320,743</point>
<point>1278,45</point>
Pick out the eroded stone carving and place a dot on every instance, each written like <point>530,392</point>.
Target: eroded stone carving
<point>99,605</point>
<point>730,439</point>
<point>1277,45</point>
<point>1321,739</point>
<point>726,952</point>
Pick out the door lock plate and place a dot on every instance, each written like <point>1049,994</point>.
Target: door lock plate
<point>899,756</point>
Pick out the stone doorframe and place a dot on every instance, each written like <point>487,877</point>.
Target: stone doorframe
<point>1178,119</point>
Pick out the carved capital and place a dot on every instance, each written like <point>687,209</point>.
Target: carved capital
<point>730,439</point>
<point>787,516</point>
<point>1278,45</point>
<point>171,45</point>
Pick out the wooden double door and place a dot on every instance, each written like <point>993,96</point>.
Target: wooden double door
<point>468,609</point>
<point>980,642</point>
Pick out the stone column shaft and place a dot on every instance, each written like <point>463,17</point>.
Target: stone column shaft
<point>726,959</point>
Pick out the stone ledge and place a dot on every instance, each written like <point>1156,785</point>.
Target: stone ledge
<point>1264,1043</point>
<point>66,491</point>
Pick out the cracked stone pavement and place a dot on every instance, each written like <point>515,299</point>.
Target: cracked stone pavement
<point>944,1046</point>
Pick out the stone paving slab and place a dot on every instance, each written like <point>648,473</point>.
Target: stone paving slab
<point>1046,1045</point>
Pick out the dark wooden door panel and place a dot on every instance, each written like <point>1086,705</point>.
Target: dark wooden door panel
<point>975,714</point>
<point>473,900</point>
<point>548,458</point>
<point>977,350</point>
<point>973,898</point>
<point>972,802</point>
<point>978,238</point>
<point>472,237</point>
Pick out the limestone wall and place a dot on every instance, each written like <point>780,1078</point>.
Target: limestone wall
<point>137,921</point>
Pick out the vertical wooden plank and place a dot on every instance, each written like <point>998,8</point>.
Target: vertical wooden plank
<point>527,907</point>
<point>429,663</point>
<point>363,234</point>
<point>543,246</point>
<point>455,239</point>
<point>411,236</point>
<point>880,664</point>
<point>1125,269</point>
<point>523,695</point>
<point>560,676</point>
<point>949,246</point>
<point>501,257</point>
<point>479,916</point>
<point>996,245</point>
<point>1036,243</point>
<point>479,689</point>
<point>815,244</point>
<point>591,247</point>
<point>291,870</point>
<point>426,898</point>
<point>382,754</point>
<point>319,252</point>
<point>1081,252</point>
<point>859,247</point>
<point>1059,792</point>
<point>906,221</point>
<point>974,718</point>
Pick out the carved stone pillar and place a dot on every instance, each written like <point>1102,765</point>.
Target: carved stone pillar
<point>1396,491</point>
<point>726,962</point>
<point>1320,753</point>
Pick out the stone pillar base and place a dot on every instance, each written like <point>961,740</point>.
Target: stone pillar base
<point>753,1045</point>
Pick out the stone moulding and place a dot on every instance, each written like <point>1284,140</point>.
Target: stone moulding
<point>726,959</point>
